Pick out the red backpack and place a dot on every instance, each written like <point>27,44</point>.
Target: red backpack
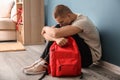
<point>66,60</point>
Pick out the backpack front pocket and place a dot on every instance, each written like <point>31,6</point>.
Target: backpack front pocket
<point>66,69</point>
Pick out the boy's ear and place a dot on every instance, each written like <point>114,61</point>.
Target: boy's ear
<point>69,15</point>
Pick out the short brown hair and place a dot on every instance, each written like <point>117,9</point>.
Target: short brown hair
<point>61,11</point>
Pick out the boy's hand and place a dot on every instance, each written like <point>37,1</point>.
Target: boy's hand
<point>43,31</point>
<point>61,41</point>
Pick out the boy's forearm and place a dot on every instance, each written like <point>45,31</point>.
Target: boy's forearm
<point>63,31</point>
<point>49,38</point>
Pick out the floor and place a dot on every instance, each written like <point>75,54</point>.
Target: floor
<point>12,63</point>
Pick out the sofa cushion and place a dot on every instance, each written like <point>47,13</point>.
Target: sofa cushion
<point>6,23</point>
<point>6,7</point>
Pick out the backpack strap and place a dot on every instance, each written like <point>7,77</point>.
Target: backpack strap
<point>81,75</point>
<point>43,76</point>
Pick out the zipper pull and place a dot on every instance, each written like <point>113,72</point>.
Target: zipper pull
<point>60,67</point>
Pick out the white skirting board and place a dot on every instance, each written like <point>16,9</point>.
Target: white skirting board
<point>111,67</point>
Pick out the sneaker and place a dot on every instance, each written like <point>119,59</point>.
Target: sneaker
<point>33,64</point>
<point>37,69</point>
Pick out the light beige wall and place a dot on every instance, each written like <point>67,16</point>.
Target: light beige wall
<point>33,21</point>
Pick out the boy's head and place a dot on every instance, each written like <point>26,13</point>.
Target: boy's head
<point>63,15</point>
<point>61,11</point>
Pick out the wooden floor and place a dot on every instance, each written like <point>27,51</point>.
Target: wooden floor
<point>12,63</point>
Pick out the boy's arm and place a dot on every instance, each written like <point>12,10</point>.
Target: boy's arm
<point>59,41</point>
<point>62,32</point>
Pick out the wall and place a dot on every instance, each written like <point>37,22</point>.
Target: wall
<point>106,16</point>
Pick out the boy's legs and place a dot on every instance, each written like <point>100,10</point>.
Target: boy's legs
<point>86,56</point>
<point>45,54</point>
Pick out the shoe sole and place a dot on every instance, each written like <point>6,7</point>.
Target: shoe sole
<point>33,73</point>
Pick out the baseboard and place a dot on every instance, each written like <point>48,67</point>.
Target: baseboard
<point>111,67</point>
